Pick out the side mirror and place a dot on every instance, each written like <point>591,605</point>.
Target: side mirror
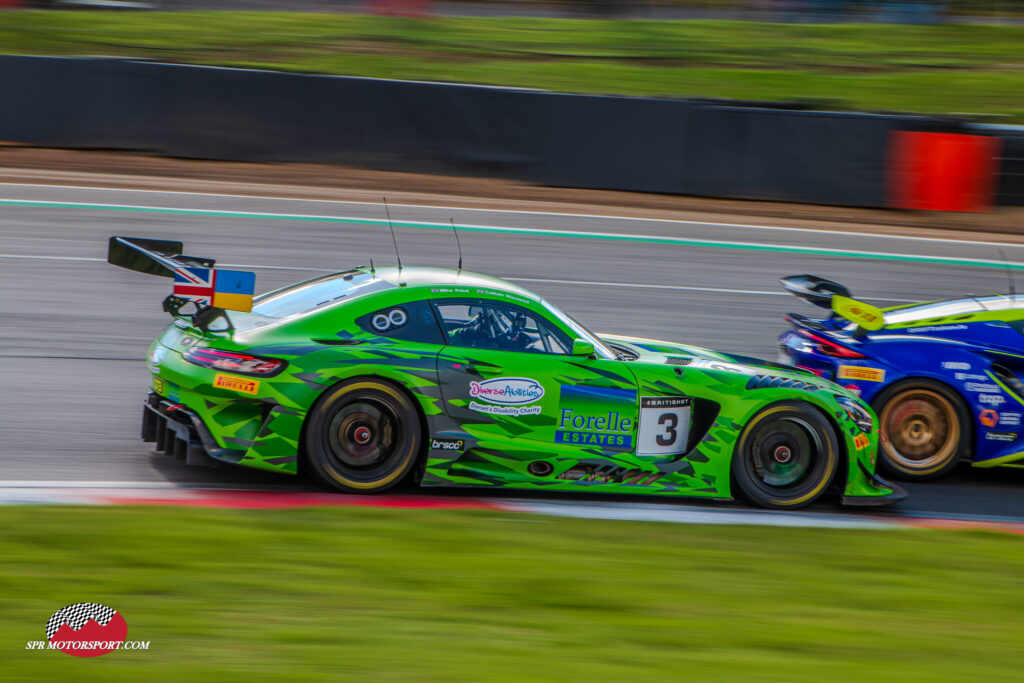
<point>582,348</point>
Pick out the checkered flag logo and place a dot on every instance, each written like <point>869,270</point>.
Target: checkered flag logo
<point>77,615</point>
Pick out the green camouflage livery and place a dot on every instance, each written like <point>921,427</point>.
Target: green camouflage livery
<point>647,417</point>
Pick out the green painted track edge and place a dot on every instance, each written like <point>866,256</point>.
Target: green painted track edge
<point>648,239</point>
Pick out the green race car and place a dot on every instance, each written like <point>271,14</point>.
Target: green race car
<point>366,377</point>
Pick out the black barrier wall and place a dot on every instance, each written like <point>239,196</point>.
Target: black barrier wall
<point>245,115</point>
<point>620,143</point>
<point>1011,171</point>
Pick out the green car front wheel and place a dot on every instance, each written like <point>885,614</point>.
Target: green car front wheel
<point>786,456</point>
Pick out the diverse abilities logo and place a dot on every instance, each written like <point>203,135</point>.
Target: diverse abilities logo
<point>506,396</point>
<point>86,629</point>
<point>507,390</point>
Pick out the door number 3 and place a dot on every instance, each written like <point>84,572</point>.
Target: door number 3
<point>671,421</point>
<point>664,427</point>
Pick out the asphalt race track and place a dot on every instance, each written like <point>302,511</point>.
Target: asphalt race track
<point>74,330</point>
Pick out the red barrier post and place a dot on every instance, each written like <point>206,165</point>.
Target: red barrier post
<point>942,171</point>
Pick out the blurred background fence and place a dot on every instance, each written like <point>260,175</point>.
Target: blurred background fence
<point>698,147</point>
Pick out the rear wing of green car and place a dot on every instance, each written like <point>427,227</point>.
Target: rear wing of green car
<point>201,293</point>
<point>836,298</point>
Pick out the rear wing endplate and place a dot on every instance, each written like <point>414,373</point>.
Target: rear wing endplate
<point>153,257</point>
<point>836,298</point>
<point>813,289</point>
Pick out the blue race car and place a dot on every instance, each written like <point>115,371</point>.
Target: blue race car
<point>944,376</point>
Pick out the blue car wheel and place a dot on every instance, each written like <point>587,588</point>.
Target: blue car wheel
<point>926,426</point>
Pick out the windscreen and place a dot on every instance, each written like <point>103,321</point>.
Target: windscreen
<point>583,333</point>
<point>316,293</point>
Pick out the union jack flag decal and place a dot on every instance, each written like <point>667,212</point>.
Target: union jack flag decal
<point>195,284</point>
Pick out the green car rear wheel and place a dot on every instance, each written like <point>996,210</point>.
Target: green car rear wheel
<point>363,435</point>
<point>786,456</point>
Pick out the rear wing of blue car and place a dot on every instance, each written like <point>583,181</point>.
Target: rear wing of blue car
<point>836,298</point>
<point>201,292</point>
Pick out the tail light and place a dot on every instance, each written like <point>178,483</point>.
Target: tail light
<point>828,347</point>
<point>235,362</point>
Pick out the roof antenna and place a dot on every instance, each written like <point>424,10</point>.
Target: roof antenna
<point>1009,273</point>
<point>452,221</point>
<point>372,271</point>
<point>392,233</point>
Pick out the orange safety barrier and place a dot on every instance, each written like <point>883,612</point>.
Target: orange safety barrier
<point>942,171</point>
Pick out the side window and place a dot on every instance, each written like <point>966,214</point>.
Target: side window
<point>413,321</point>
<point>502,328</point>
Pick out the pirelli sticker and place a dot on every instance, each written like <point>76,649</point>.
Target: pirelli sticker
<point>159,386</point>
<point>239,384</point>
<point>862,373</point>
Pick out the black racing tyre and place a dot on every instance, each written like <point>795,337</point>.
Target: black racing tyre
<point>363,435</point>
<point>786,456</point>
<point>926,426</point>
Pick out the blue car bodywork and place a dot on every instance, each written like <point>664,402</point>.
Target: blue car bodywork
<point>974,346</point>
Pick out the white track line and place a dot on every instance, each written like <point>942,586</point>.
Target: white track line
<point>692,515</point>
<point>684,288</point>
<point>672,221</point>
<point>96,259</point>
<point>546,232</point>
<point>163,485</point>
<point>594,283</point>
<point>63,484</point>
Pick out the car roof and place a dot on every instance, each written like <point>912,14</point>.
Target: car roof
<point>954,310</point>
<point>425,276</point>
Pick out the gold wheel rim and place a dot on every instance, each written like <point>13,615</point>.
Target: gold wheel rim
<point>922,429</point>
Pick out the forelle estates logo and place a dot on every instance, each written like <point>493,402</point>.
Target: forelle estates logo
<point>87,629</point>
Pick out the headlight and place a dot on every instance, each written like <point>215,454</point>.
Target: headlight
<point>860,416</point>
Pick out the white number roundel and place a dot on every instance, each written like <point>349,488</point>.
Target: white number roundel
<point>397,317</point>
<point>386,320</point>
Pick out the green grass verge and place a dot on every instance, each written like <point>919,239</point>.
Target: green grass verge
<point>382,594</point>
<point>936,69</point>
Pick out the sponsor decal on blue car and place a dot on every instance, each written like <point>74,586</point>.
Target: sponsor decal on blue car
<point>1000,436</point>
